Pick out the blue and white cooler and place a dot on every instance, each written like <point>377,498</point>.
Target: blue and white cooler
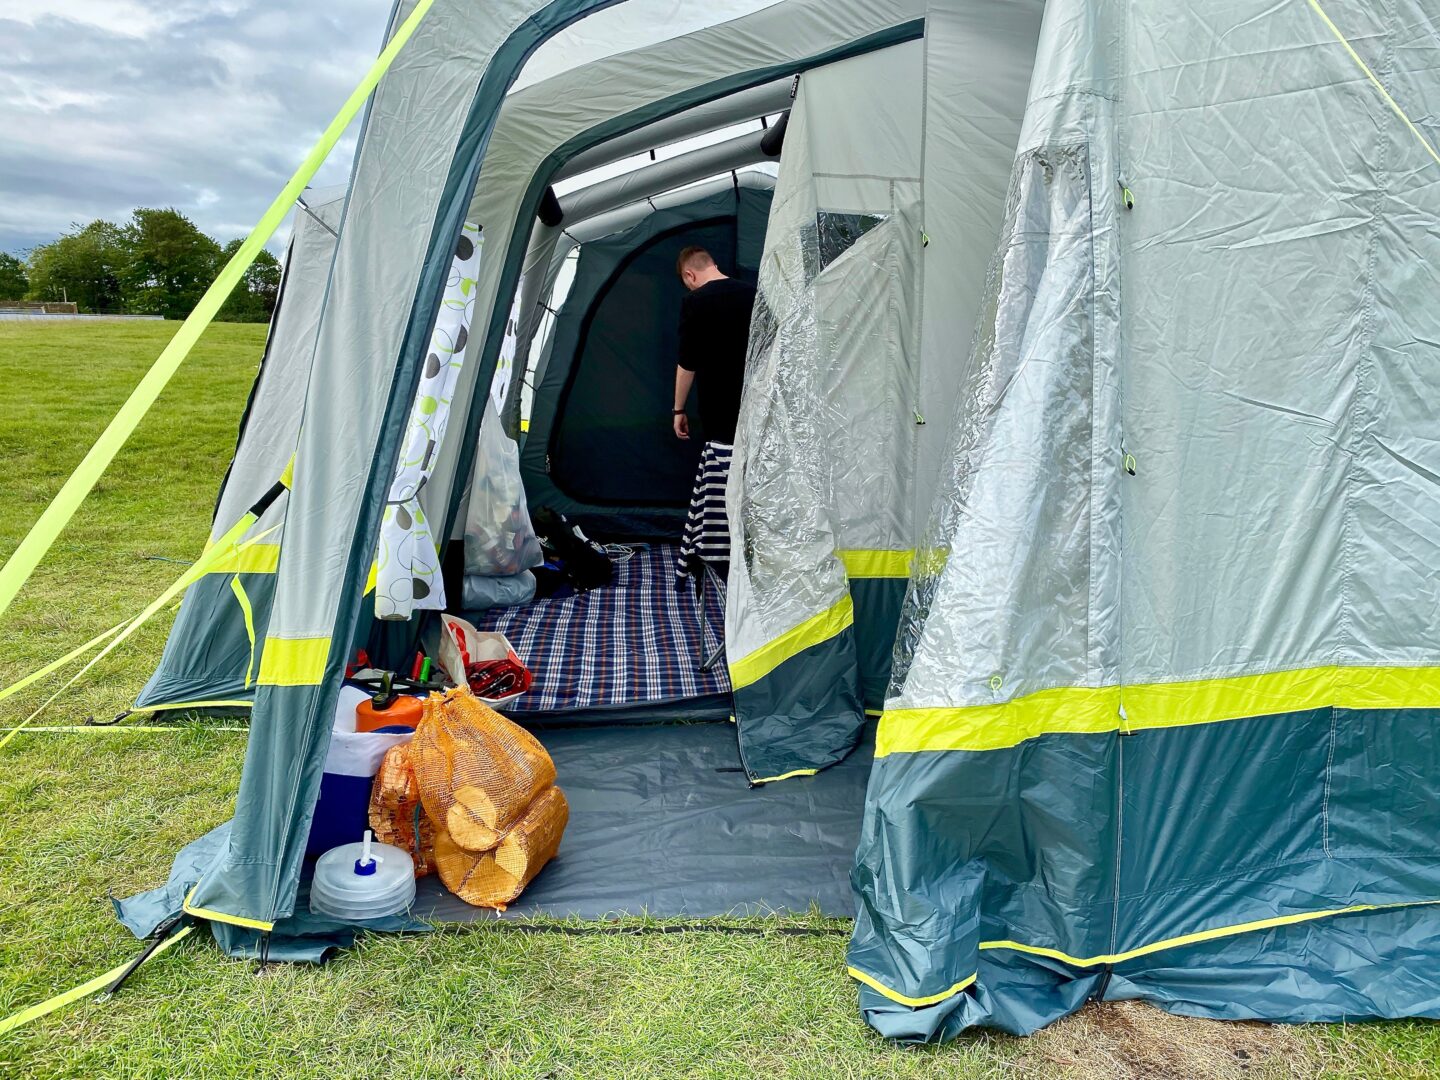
<point>343,810</point>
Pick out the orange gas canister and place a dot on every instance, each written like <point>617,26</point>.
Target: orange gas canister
<point>402,711</point>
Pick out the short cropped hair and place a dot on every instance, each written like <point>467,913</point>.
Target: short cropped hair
<point>693,258</point>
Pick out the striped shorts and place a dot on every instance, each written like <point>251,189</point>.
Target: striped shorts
<point>707,531</point>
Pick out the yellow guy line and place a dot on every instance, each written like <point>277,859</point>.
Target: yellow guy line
<point>32,549</point>
<point>179,585</point>
<point>85,729</point>
<point>56,665</point>
<point>59,1001</point>
<point>1395,105</point>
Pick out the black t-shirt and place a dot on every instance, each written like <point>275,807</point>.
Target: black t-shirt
<point>714,336</point>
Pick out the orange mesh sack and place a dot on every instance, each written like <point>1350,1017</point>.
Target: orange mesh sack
<point>477,772</point>
<point>494,878</point>
<point>396,815</point>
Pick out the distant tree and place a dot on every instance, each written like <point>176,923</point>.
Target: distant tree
<point>169,263</point>
<point>83,266</point>
<point>254,297</point>
<point>14,283</point>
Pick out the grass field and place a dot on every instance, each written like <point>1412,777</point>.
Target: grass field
<point>86,815</point>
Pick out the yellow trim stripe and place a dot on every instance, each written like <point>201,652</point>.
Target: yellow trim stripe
<point>293,661</point>
<point>1394,105</point>
<point>373,578</point>
<point>814,630</point>
<point>287,478</point>
<point>1197,937</point>
<point>786,776</point>
<point>42,534</point>
<point>876,564</point>
<point>249,613</point>
<point>251,559</point>
<point>85,989</point>
<point>1130,954</point>
<point>221,916</point>
<point>1073,710</point>
<point>85,729</point>
<point>193,705</point>
<point>1090,710</point>
<point>895,995</point>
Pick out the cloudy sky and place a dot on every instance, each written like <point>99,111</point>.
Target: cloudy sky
<point>204,105</point>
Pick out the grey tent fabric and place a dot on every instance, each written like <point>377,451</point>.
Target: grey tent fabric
<point>1151,586</point>
<point>212,654</point>
<point>825,450</point>
<point>663,823</point>
<point>271,424</point>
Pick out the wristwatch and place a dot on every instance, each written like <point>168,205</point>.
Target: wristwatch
<point>677,412</point>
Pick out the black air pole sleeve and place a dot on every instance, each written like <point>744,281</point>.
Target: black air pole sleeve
<point>773,140</point>
<point>550,214</point>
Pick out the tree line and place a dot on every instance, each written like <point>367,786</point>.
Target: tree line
<point>157,263</point>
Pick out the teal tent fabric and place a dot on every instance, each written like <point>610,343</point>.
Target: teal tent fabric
<point>301,938</point>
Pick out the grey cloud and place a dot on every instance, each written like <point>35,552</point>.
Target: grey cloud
<point>204,105</point>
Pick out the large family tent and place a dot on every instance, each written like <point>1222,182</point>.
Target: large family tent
<point>1086,432</point>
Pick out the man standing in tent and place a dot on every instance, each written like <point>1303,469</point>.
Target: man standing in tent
<point>714,336</point>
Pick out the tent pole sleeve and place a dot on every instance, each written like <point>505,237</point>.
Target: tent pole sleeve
<point>32,549</point>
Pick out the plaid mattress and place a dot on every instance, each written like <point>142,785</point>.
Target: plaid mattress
<point>636,641</point>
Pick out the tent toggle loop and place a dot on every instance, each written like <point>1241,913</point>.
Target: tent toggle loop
<point>1128,461</point>
<point>1126,195</point>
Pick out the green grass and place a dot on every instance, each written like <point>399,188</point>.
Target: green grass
<point>85,816</point>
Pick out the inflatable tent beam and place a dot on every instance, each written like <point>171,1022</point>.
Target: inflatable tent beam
<point>766,100</point>
<point>675,172</point>
<point>622,217</point>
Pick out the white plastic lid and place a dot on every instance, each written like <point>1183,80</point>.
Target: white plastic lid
<point>363,881</point>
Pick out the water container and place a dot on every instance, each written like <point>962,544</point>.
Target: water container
<point>403,712</point>
<point>363,881</point>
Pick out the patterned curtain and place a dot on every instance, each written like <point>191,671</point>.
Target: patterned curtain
<point>407,562</point>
